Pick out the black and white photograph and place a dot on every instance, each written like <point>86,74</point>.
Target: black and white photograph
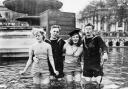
<point>63,44</point>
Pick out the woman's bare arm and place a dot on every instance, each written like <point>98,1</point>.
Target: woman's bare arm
<point>29,62</point>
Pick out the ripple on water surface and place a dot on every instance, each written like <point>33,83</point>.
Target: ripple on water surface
<point>115,70</point>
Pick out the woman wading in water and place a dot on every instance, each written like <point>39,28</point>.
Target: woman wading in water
<point>41,51</point>
<point>73,51</point>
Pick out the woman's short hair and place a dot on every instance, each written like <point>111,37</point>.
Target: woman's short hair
<point>79,42</point>
<point>35,31</point>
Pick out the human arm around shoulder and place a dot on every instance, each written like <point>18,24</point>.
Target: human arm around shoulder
<point>50,56</point>
<point>64,49</point>
<point>29,62</point>
<point>81,57</point>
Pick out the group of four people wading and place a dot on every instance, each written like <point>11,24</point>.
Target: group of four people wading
<point>55,58</point>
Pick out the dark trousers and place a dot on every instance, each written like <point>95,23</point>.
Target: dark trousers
<point>92,71</point>
<point>59,67</point>
<point>92,68</point>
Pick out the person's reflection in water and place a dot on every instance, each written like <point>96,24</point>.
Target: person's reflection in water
<point>110,50</point>
<point>117,50</point>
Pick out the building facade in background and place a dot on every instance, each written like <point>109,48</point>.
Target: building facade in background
<point>105,20</point>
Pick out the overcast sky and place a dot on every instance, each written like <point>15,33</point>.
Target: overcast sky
<point>1,1</point>
<point>74,5</point>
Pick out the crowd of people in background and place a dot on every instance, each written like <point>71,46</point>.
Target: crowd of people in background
<point>116,42</point>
